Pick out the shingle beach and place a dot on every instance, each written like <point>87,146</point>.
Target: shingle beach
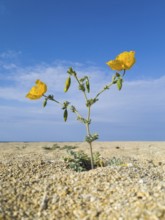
<point>36,185</point>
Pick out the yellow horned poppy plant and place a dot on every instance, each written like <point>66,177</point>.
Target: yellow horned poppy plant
<point>37,91</point>
<point>123,61</point>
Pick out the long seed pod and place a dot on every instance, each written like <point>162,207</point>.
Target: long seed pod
<point>88,85</point>
<point>65,114</point>
<point>45,103</point>
<point>119,83</point>
<point>67,84</point>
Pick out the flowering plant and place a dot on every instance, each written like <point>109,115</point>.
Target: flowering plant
<point>122,62</point>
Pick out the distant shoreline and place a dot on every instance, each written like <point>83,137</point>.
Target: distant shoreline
<point>110,141</point>
<point>137,149</point>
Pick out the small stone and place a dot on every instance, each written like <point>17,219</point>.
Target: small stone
<point>33,187</point>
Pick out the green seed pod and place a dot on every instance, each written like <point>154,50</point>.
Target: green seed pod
<point>45,103</point>
<point>119,83</point>
<point>67,84</point>
<point>65,114</point>
<point>88,86</point>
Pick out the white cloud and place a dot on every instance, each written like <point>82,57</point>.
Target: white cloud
<point>10,54</point>
<point>137,109</point>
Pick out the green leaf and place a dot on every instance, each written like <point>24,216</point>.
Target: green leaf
<point>72,108</point>
<point>71,72</point>
<point>65,104</point>
<point>117,74</point>
<point>82,87</point>
<point>119,83</point>
<point>90,138</point>
<point>83,79</point>
<point>91,102</point>
<point>65,115</point>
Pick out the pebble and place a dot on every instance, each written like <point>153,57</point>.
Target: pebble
<point>33,187</point>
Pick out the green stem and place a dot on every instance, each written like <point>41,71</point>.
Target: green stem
<point>88,134</point>
<point>52,99</point>
<point>87,124</point>
<point>108,86</point>
<point>124,72</point>
<point>80,85</point>
<point>105,88</point>
<point>91,152</point>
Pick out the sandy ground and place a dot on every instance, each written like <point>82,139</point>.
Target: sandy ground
<point>35,184</point>
<point>139,150</point>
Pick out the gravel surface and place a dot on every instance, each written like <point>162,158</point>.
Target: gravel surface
<point>38,186</point>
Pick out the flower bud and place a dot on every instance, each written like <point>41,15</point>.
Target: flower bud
<point>67,84</point>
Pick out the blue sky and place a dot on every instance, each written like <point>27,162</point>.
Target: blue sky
<point>41,39</point>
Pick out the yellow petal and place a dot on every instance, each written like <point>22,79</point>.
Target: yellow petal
<point>37,91</point>
<point>127,58</point>
<point>123,61</point>
<point>32,97</point>
<point>115,65</point>
<point>41,87</point>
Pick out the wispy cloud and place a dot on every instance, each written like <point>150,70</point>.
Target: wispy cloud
<point>133,111</point>
<point>10,54</point>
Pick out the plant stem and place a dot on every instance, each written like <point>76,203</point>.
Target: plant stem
<point>52,99</point>
<point>108,86</point>
<point>80,85</point>
<point>87,124</point>
<point>88,134</point>
<point>105,88</point>
<point>91,152</point>
<point>124,71</point>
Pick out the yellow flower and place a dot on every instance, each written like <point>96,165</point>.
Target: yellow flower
<point>115,65</point>
<point>37,91</point>
<point>123,61</point>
